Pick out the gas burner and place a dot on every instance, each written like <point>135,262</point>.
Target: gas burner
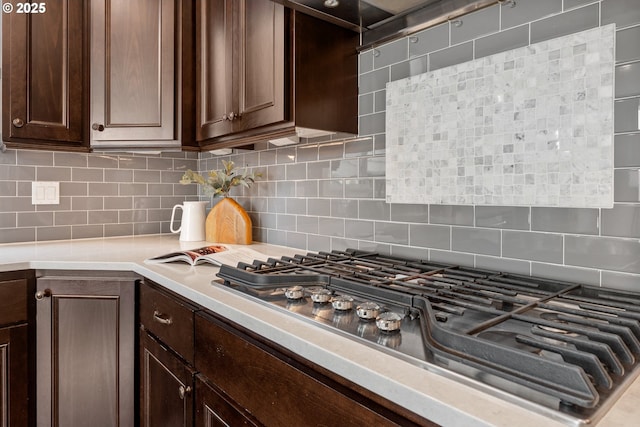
<point>321,295</point>
<point>342,302</point>
<point>294,293</point>
<point>368,310</point>
<point>389,321</point>
<point>555,317</point>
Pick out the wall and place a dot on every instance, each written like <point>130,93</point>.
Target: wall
<point>332,195</point>
<point>101,195</point>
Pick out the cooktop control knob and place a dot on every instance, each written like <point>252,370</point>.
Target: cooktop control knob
<point>342,302</point>
<point>321,295</point>
<point>294,292</point>
<point>388,321</point>
<point>368,310</point>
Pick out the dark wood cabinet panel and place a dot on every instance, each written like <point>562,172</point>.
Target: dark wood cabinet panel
<point>259,45</point>
<point>238,378</point>
<point>85,350</point>
<point>168,318</point>
<point>240,72</point>
<point>13,301</point>
<point>214,71</point>
<point>45,76</point>
<point>213,409</point>
<point>14,376</point>
<point>133,72</point>
<point>276,389</point>
<point>325,66</point>
<point>17,358</point>
<point>166,386</point>
<point>281,70</point>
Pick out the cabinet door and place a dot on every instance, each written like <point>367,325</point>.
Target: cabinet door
<point>14,380</point>
<point>44,75</point>
<point>240,66</point>
<point>85,351</point>
<point>166,386</point>
<point>215,410</point>
<point>132,72</point>
<point>214,67</point>
<point>259,79</point>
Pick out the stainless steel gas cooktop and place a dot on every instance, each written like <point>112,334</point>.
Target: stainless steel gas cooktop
<point>568,348</point>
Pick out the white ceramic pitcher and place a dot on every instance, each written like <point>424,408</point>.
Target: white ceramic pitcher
<point>192,224</point>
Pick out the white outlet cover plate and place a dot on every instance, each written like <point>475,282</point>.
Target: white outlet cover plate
<point>45,193</point>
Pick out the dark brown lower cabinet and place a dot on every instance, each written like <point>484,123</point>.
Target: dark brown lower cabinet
<point>17,361</point>
<point>279,388</point>
<point>85,351</point>
<point>166,386</point>
<point>14,374</point>
<point>215,410</point>
<point>197,368</point>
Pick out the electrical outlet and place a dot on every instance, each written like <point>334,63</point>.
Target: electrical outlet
<point>45,193</point>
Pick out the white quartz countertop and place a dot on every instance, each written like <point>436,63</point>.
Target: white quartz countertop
<point>433,396</point>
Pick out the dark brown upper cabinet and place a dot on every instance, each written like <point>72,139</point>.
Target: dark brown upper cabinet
<point>262,70</point>
<point>135,73</point>
<point>99,74</point>
<point>240,54</point>
<point>45,77</point>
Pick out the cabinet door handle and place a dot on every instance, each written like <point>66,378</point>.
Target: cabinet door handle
<point>17,122</point>
<point>162,318</point>
<point>184,391</point>
<point>43,294</point>
<point>97,126</point>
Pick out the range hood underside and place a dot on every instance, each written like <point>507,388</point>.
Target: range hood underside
<point>379,21</point>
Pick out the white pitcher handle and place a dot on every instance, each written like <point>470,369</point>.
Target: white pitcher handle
<point>173,213</point>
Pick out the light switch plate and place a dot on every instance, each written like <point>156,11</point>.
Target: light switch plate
<point>45,193</point>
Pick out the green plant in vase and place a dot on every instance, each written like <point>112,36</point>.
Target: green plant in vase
<point>219,182</point>
<point>227,222</point>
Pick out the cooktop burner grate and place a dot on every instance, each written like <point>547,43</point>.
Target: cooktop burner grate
<point>566,343</point>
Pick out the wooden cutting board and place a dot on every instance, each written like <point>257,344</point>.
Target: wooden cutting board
<point>228,222</point>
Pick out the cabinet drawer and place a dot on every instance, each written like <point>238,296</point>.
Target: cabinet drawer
<point>275,389</point>
<point>168,318</point>
<point>13,301</point>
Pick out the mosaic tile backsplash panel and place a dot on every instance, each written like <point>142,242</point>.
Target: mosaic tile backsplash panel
<point>532,127</point>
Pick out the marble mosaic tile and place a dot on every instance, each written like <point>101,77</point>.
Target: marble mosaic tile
<point>532,126</point>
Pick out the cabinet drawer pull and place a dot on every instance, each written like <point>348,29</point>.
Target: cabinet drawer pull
<point>97,126</point>
<point>43,294</point>
<point>161,318</point>
<point>17,122</point>
<point>184,391</point>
